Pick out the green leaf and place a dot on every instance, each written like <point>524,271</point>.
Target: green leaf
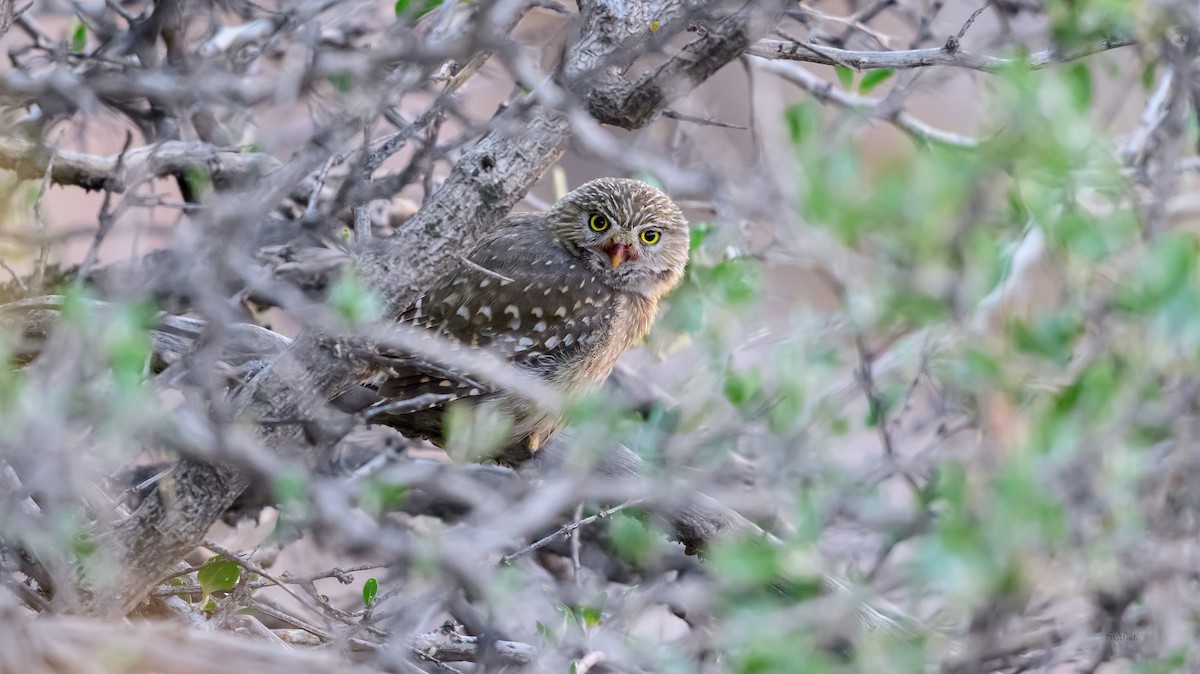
<point>745,562</point>
<point>1148,74</point>
<point>127,343</point>
<point>1175,661</point>
<point>1079,81</point>
<point>370,589</point>
<point>1162,275</point>
<point>584,616</point>
<point>341,82</point>
<point>1051,337</point>
<point>83,545</point>
<point>699,231</point>
<point>354,301</point>
<point>476,433</point>
<point>873,79</point>
<point>742,387</point>
<point>887,398</point>
<point>980,369</point>
<point>786,408</point>
<point>914,307</point>
<point>839,426</point>
<point>1091,393</point>
<point>418,9</point>
<point>379,497</point>
<point>290,487</point>
<point>633,540</point>
<point>803,122</point>
<point>845,76</point>
<point>589,615</point>
<point>79,38</point>
<point>198,180</point>
<point>218,575</point>
<point>736,281</point>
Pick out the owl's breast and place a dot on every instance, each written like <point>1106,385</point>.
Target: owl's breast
<point>624,322</point>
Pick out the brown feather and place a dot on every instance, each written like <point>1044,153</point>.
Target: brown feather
<point>539,294</point>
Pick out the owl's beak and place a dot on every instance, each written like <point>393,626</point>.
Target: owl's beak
<point>617,252</point>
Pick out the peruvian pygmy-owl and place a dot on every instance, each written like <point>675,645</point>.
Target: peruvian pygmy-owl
<point>559,294</point>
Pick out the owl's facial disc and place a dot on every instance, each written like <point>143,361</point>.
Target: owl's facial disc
<point>628,233</point>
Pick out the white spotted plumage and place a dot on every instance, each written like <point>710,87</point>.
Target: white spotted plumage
<point>550,261</point>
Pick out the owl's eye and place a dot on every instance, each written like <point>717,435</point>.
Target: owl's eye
<point>598,223</point>
<point>651,236</point>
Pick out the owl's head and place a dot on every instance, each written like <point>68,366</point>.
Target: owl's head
<point>630,234</point>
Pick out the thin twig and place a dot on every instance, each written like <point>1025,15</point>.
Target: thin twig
<point>362,222</point>
<point>920,58</point>
<point>820,50</point>
<point>1153,115</point>
<point>962,32</point>
<point>275,612</point>
<point>861,18</point>
<point>16,279</point>
<point>39,272</point>
<point>702,121</point>
<point>252,568</point>
<point>409,405</point>
<point>923,30</point>
<point>874,404</point>
<point>566,529</point>
<point>106,218</point>
<point>311,207</point>
<point>483,270</point>
<point>827,92</point>
<point>341,574</point>
<point>576,545</point>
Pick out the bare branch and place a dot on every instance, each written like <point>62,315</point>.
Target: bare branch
<point>870,107</point>
<point>566,530</point>
<point>171,158</point>
<point>920,58</point>
<point>631,106</point>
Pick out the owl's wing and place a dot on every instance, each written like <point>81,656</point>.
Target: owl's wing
<point>521,297</point>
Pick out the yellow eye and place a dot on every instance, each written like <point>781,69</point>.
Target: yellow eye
<point>598,223</point>
<point>651,236</point>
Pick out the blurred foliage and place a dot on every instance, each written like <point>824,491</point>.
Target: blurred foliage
<point>1065,404</point>
<point>351,299</point>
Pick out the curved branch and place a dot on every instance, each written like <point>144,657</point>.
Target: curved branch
<point>871,107</point>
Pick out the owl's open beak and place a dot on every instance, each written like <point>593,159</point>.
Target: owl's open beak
<point>617,252</point>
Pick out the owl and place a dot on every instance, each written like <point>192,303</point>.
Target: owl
<point>559,294</point>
